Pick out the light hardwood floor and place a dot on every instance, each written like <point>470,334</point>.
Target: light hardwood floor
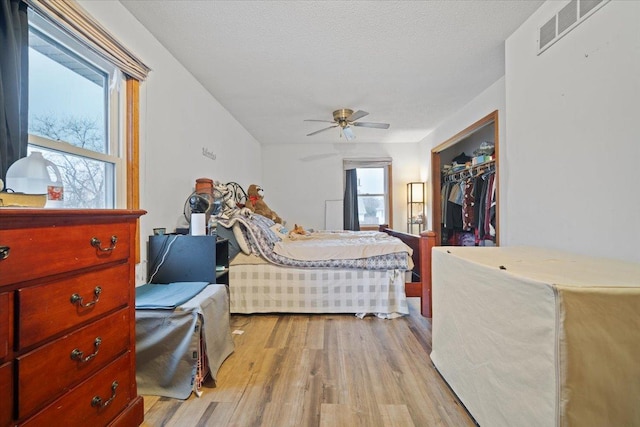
<point>321,370</point>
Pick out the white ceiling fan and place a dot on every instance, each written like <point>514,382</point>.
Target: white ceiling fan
<point>344,118</point>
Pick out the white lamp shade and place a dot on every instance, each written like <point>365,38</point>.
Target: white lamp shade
<point>416,192</point>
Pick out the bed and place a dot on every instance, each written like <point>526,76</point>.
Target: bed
<point>323,275</point>
<point>535,337</point>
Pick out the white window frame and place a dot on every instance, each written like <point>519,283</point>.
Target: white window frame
<point>115,117</point>
<point>385,195</point>
<point>378,163</point>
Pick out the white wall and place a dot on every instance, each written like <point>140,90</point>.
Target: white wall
<point>299,178</point>
<point>567,141</point>
<point>178,118</point>
<point>572,121</point>
<point>490,100</point>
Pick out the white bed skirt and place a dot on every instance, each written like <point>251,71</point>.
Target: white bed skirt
<point>267,288</point>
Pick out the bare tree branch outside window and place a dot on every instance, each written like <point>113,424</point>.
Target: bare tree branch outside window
<point>83,178</point>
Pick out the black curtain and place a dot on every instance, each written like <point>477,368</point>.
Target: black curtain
<point>14,90</point>
<point>351,221</point>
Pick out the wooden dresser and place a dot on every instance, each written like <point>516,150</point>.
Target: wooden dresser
<point>67,318</point>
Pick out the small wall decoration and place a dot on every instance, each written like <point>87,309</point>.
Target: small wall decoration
<point>209,154</point>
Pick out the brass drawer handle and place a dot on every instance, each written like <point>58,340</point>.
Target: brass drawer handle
<point>4,252</point>
<point>95,242</point>
<point>97,400</point>
<point>77,299</point>
<point>78,354</point>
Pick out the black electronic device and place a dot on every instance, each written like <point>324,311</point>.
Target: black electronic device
<point>181,258</point>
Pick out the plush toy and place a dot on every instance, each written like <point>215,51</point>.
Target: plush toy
<point>255,202</point>
<point>298,230</point>
<point>228,205</point>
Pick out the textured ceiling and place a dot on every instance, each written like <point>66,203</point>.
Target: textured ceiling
<point>272,64</point>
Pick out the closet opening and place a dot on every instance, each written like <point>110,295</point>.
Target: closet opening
<point>464,176</point>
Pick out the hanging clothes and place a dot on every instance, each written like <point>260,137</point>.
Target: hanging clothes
<point>489,198</point>
<point>484,193</point>
<point>444,199</point>
<point>468,205</point>
<point>492,209</point>
<point>454,207</point>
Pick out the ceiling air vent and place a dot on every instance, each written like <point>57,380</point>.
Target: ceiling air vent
<point>569,17</point>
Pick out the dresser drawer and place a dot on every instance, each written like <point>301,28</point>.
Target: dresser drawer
<point>6,315</point>
<point>89,403</point>
<point>58,361</point>
<point>6,394</point>
<point>47,310</point>
<point>44,251</point>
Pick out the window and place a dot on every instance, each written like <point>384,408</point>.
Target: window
<point>373,200</point>
<point>74,116</point>
<point>370,189</point>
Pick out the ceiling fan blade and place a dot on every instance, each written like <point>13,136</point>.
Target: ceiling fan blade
<point>348,134</point>
<point>357,115</point>
<point>314,120</point>
<point>372,125</point>
<point>322,130</point>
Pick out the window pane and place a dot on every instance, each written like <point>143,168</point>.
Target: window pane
<point>71,105</point>
<point>371,196</point>
<point>371,210</point>
<point>67,95</point>
<point>370,180</point>
<point>85,180</point>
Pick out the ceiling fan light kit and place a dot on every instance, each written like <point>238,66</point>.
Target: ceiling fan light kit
<point>344,118</point>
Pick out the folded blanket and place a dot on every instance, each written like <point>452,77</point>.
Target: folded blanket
<point>260,240</point>
<point>344,245</point>
<point>169,296</point>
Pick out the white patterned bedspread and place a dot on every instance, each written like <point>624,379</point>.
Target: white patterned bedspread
<point>262,241</point>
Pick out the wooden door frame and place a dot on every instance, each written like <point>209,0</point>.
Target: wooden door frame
<point>435,171</point>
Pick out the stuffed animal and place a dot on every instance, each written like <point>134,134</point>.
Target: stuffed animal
<point>255,202</point>
<point>229,206</point>
<point>298,230</point>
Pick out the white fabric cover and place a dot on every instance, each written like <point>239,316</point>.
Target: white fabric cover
<point>535,337</point>
<point>167,340</point>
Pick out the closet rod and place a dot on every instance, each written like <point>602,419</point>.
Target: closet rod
<point>469,171</point>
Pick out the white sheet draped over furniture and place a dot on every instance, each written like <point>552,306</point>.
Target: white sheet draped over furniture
<point>535,337</point>
<point>169,343</point>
